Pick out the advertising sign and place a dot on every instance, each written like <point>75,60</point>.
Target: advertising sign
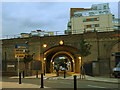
<point>21,51</point>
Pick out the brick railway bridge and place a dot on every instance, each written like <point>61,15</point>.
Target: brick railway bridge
<point>104,52</point>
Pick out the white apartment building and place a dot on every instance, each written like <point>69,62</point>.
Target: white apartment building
<point>37,33</point>
<point>97,18</point>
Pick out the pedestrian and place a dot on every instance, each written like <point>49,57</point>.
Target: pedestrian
<point>57,70</point>
<point>82,75</point>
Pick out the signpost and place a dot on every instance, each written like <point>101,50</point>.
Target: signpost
<point>20,52</point>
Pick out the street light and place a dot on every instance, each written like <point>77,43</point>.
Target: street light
<point>53,65</point>
<point>44,59</point>
<point>44,46</point>
<point>73,61</point>
<point>80,65</point>
<point>79,58</point>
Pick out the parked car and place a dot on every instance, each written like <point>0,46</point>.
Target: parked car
<point>116,70</point>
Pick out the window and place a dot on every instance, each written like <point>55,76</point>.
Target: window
<point>98,19</point>
<point>105,7</point>
<point>92,19</point>
<point>88,26</point>
<point>98,25</point>
<point>84,20</point>
<point>88,20</point>
<point>93,26</point>
<point>116,27</point>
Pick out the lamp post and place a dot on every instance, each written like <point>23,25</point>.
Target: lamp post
<point>73,67</point>
<point>44,65</point>
<point>80,60</point>
<point>44,46</point>
<point>18,65</point>
<point>80,64</point>
<point>53,65</point>
<point>27,53</point>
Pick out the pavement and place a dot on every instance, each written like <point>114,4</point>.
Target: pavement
<point>71,76</point>
<point>53,76</point>
<point>17,85</point>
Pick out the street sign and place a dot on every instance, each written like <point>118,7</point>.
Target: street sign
<point>21,51</point>
<point>21,47</point>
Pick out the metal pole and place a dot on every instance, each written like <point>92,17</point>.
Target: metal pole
<point>18,65</point>
<point>5,61</point>
<point>44,64</point>
<point>64,73</point>
<point>23,74</point>
<point>19,78</point>
<point>42,80</point>
<point>44,70</point>
<point>36,74</point>
<point>75,84</point>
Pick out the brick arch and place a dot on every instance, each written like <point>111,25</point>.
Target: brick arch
<point>57,50</point>
<point>115,47</point>
<point>61,48</point>
<point>63,52</point>
<point>117,41</point>
<point>67,55</point>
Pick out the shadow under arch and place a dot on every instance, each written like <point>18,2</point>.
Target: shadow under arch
<point>65,54</point>
<point>62,50</point>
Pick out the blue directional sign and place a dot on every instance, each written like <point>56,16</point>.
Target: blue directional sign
<point>20,50</point>
<point>21,47</point>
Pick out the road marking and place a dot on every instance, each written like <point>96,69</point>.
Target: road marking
<point>96,86</point>
<point>64,83</point>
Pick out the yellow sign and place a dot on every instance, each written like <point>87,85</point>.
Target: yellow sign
<point>20,51</point>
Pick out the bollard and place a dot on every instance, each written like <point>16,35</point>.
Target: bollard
<point>80,76</point>
<point>36,74</point>
<point>23,74</point>
<point>42,80</point>
<point>19,78</point>
<point>64,74</point>
<point>75,84</point>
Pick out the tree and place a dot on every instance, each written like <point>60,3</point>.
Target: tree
<point>26,60</point>
<point>84,49</point>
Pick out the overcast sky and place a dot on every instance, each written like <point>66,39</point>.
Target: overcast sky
<point>24,17</point>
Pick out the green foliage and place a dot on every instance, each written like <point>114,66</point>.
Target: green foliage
<point>84,48</point>
<point>28,58</point>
